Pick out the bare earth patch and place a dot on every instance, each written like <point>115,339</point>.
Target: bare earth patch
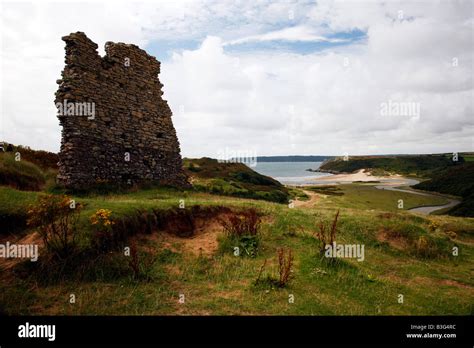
<point>203,241</point>
<point>31,238</point>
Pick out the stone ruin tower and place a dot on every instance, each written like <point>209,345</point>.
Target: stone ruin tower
<point>116,126</point>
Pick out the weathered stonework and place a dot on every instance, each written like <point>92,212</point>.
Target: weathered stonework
<point>127,136</point>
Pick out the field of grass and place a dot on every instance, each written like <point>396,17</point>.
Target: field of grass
<point>187,263</point>
<point>363,196</point>
<point>431,280</point>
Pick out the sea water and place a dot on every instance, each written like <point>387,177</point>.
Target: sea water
<point>290,173</point>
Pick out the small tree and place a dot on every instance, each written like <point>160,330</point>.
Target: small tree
<point>56,217</point>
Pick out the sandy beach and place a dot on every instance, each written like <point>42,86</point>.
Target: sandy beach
<point>362,176</point>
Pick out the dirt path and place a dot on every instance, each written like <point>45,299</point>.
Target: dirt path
<point>313,198</point>
<point>32,238</point>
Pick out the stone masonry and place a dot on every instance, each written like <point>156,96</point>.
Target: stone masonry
<point>116,126</point>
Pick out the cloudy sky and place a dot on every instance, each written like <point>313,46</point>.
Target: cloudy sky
<point>275,77</point>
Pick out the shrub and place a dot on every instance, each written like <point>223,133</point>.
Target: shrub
<point>242,231</point>
<point>271,196</point>
<point>56,217</point>
<point>327,235</point>
<point>432,247</point>
<point>285,270</point>
<point>140,264</point>
<point>253,178</point>
<point>433,226</point>
<point>193,168</point>
<point>416,241</point>
<point>285,264</point>
<point>245,223</point>
<point>249,244</point>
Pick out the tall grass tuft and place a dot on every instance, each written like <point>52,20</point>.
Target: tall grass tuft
<point>245,223</point>
<point>285,265</point>
<point>242,231</point>
<point>285,271</point>
<point>327,235</point>
<point>140,264</point>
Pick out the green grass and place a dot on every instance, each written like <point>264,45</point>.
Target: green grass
<point>404,253</point>
<point>222,283</point>
<point>368,197</point>
<point>468,157</point>
<point>13,209</point>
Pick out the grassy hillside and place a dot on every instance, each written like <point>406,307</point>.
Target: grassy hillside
<point>457,181</point>
<point>415,165</point>
<point>233,179</point>
<point>40,158</point>
<point>404,254</point>
<point>182,248</point>
<point>21,174</point>
<point>27,169</point>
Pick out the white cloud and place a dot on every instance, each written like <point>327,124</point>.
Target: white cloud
<point>273,101</point>
<point>292,34</point>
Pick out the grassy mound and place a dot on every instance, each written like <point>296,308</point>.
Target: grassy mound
<point>233,179</point>
<point>457,181</point>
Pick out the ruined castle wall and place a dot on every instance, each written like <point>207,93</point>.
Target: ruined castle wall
<point>120,129</point>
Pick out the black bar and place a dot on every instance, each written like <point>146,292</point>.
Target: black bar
<point>242,330</point>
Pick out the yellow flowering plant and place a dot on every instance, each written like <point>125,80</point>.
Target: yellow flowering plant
<point>102,218</point>
<point>102,229</point>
